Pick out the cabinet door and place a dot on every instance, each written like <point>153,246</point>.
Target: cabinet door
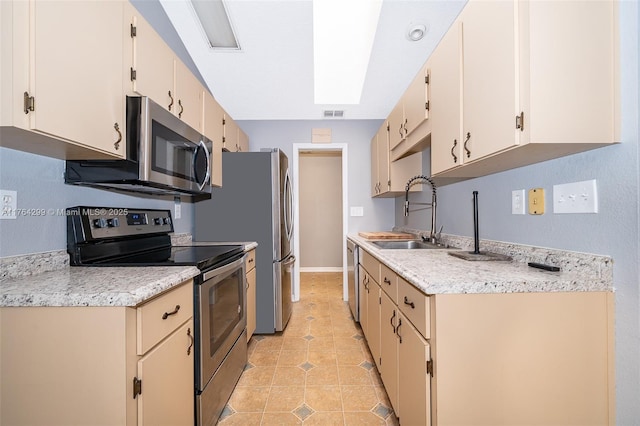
<point>389,348</point>
<point>396,125</point>
<point>243,141</point>
<point>446,102</point>
<point>189,92</point>
<point>251,303</point>
<point>416,101</point>
<point>230,140</point>
<point>414,383</point>
<point>76,99</point>
<point>383,159</point>
<point>214,130</point>
<point>375,182</point>
<point>363,298</point>
<point>167,381</point>
<point>489,77</point>
<point>154,63</point>
<point>373,321</point>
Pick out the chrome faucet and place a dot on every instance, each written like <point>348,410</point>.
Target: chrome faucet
<point>433,237</point>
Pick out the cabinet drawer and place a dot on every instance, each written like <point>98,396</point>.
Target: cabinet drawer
<point>372,265</point>
<point>415,305</point>
<point>250,260</point>
<point>389,282</point>
<point>156,319</point>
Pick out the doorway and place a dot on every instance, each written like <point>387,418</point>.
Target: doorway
<point>309,200</point>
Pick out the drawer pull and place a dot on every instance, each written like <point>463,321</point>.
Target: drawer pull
<point>175,311</point>
<point>191,341</point>
<point>387,281</point>
<point>406,302</point>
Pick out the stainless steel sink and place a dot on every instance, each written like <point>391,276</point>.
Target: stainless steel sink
<point>409,245</point>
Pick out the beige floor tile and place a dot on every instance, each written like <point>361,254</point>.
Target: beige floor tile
<point>292,358</point>
<point>295,344</point>
<point>344,343</point>
<point>284,398</point>
<point>257,376</point>
<point>323,398</point>
<point>322,357</point>
<point>270,343</point>
<point>363,418</point>
<point>354,375</point>
<point>264,358</point>
<point>289,376</point>
<point>350,356</point>
<point>322,344</point>
<point>325,418</point>
<point>242,419</point>
<point>280,419</point>
<point>323,375</point>
<point>249,399</point>
<point>358,398</point>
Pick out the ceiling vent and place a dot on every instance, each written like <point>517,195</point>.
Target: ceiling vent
<point>337,113</point>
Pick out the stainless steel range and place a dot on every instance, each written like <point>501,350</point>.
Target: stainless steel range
<point>106,236</point>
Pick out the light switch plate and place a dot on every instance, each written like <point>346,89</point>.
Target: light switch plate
<point>576,197</point>
<point>517,202</point>
<point>536,201</point>
<point>357,211</point>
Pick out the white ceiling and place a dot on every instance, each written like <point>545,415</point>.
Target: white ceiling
<point>271,78</point>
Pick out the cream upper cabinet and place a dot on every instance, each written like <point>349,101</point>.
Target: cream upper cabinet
<point>416,101</point>
<point>243,141</point>
<point>396,125</point>
<point>153,62</point>
<point>158,73</point>
<point>53,89</point>
<point>230,140</point>
<point>214,130</point>
<point>488,77</point>
<point>189,95</point>
<point>514,111</point>
<point>375,182</point>
<point>446,101</point>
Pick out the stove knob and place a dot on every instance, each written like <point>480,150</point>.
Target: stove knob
<point>100,223</point>
<point>157,221</point>
<point>113,223</point>
<point>166,221</point>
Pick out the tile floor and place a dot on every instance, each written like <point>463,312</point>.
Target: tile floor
<point>317,372</point>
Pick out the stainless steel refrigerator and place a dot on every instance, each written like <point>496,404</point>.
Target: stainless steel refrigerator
<point>255,204</point>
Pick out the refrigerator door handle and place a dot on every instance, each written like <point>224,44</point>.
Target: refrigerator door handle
<point>289,260</point>
<point>288,206</point>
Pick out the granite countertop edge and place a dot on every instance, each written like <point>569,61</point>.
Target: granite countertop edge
<point>437,272</point>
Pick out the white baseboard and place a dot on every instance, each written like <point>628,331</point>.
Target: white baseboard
<point>321,269</point>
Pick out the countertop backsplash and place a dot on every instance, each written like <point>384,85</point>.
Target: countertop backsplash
<point>586,264</point>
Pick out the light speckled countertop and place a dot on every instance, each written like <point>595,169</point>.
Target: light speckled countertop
<point>90,286</point>
<point>437,272</point>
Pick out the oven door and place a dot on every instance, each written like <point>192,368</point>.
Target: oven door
<point>221,316</point>
<point>171,152</point>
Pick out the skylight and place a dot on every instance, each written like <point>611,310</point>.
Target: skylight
<point>343,34</point>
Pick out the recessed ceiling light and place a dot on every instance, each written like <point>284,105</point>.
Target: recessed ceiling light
<point>415,32</point>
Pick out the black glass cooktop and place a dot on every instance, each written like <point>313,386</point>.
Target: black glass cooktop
<point>204,257</point>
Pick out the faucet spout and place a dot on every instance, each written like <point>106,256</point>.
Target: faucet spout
<point>434,201</point>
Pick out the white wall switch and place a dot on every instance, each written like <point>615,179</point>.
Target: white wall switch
<point>9,201</point>
<point>357,211</point>
<point>517,202</point>
<point>177,208</point>
<point>576,197</point>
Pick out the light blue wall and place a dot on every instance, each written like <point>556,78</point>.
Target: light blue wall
<point>613,231</point>
<point>357,134</point>
<point>40,184</point>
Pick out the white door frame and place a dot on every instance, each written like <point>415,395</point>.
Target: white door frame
<point>335,147</point>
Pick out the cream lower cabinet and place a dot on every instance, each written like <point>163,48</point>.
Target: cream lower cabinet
<point>389,319</point>
<point>250,267</point>
<point>363,298</point>
<point>61,98</point>
<point>82,365</point>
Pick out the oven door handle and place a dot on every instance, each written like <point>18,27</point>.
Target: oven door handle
<point>223,269</point>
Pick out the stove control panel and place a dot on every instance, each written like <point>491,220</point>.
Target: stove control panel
<point>95,223</point>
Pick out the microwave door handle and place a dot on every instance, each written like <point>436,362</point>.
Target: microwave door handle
<point>202,145</point>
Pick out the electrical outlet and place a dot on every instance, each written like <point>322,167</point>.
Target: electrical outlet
<point>576,197</point>
<point>9,204</point>
<point>177,208</point>
<point>517,202</point>
<point>357,211</point>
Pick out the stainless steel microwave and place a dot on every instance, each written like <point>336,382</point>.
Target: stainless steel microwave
<point>165,156</point>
